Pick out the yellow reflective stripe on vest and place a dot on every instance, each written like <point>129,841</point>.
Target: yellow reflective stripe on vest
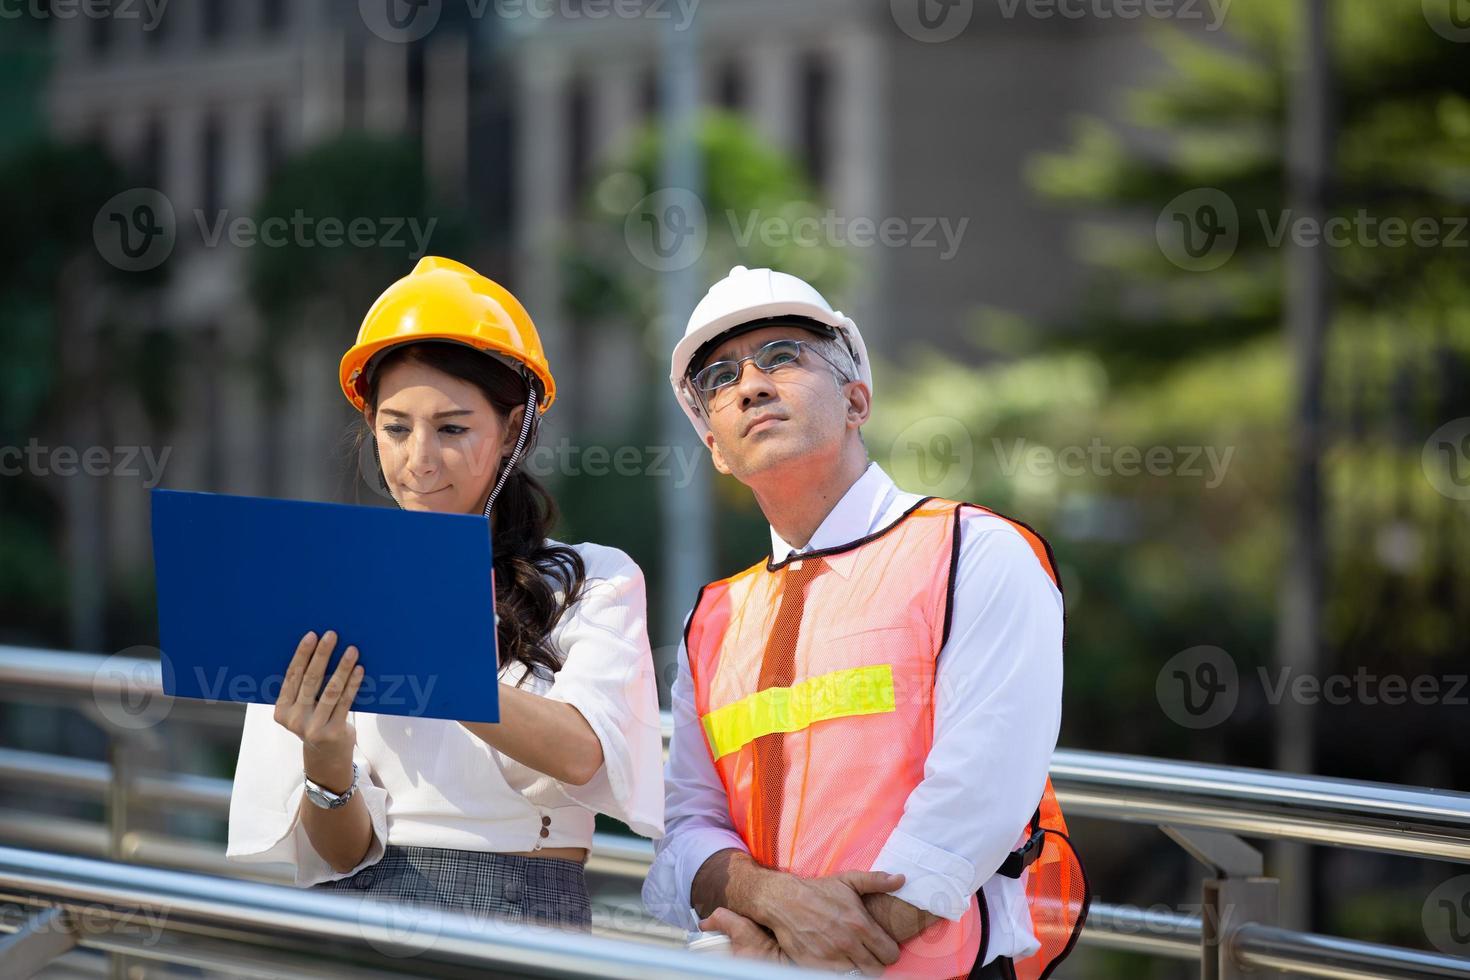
<point>839,694</point>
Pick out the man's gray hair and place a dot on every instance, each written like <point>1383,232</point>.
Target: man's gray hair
<point>835,351</point>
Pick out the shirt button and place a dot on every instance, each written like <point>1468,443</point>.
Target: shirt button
<point>545,833</point>
<point>546,821</point>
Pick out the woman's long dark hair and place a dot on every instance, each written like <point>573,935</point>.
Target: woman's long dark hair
<point>528,571</point>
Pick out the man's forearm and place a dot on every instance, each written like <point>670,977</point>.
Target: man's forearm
<point>731,879</point>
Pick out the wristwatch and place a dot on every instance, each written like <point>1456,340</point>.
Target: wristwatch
<point>325,798</point>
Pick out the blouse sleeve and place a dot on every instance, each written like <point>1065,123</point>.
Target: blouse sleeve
<point>265,822</point>
<point>607,674</point>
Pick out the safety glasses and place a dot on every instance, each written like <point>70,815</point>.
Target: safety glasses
<point>770,358</point>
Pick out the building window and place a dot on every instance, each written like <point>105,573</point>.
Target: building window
<point>579,139</point>
<point>416,83</point>
<point>150,155</point>
<point>212,15</point>
<point>815,86</point>
<point>271,147</point>
<point>272,16</point>
<point>99,28</point>
<point>648,93</point>
<point>730,86</point>
<point>158,29</point>
<point>212,167</point>
<point>354,96</point>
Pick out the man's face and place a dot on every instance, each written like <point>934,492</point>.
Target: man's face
<point>796,412</point>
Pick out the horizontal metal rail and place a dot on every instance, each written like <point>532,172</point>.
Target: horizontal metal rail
<point>335,930</point>
<point>1134,789</point>
<point>1263,803</point>
<point>1155,792</point>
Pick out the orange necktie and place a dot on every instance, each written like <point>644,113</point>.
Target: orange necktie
<point>778,669</point>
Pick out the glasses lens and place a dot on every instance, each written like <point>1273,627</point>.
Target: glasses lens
<point>777,353</point>
<point>716,376</point>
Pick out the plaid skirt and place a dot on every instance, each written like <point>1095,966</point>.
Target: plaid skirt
<point>544,891</point>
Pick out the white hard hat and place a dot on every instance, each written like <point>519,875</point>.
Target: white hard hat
<point>746,298</point>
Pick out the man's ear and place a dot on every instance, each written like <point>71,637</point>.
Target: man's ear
<point>714,452</point>
<point>859,403</point>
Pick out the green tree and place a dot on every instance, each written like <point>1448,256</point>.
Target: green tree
<point>72,344</point>
<point>1163,352</point>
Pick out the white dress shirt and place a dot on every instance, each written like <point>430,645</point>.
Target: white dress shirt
<point>431,783</point>
<point>998,694</point>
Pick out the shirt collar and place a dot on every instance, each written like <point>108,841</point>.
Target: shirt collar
<point>858,513</point>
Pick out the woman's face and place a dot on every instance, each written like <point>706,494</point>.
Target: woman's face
<point>439,439</point>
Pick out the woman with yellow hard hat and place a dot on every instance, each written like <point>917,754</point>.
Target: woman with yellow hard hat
<point>451,379</point>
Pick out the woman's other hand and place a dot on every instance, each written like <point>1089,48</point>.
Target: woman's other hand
<point>318,715</point>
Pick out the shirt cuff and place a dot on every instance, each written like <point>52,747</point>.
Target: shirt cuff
<point>935,880</point>
<point>691,849</point>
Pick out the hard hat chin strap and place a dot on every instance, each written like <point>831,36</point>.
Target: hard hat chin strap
<point>528,421</point>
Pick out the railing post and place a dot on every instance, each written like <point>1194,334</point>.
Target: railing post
<point>45,936</point>
<point>1239,893</point>
<point>124,746</point>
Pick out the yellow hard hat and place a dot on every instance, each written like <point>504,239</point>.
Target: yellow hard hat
<point>446,300</point>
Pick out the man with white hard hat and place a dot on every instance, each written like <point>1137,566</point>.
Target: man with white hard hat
<point>863,722</point>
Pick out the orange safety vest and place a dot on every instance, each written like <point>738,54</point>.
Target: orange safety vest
<point>814,683</point>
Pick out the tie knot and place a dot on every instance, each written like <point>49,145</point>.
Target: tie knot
<point>803,570</point>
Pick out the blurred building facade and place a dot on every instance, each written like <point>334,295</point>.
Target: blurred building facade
<point>516,108</point>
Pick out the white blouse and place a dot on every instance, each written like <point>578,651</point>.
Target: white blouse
<point>429,782</point>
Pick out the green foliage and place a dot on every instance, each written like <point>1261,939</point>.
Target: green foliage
<point>52,194</point>
<point>745,180</point>
<point>1160,356</point>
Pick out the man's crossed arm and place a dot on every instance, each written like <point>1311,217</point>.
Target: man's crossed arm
<point>843,921</point>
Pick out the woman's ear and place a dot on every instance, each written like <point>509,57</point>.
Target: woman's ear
<point>513,423</point>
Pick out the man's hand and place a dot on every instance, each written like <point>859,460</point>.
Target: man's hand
<point>747,938</point>
<point>822,922</point>
<point>819,922</point>
<point>898,918</point>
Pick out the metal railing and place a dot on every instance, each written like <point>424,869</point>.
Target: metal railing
<point>1202,807</point>
<point>261,930</point>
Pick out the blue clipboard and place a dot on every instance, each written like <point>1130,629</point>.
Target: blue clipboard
<point>242,579</point>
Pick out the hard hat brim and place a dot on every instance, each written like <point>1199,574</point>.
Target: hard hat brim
<point>757,316</point>
<point>355,365</point>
